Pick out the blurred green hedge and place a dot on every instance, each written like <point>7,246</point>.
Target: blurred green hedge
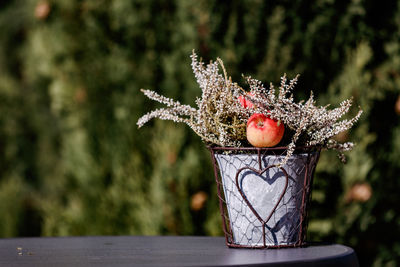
<point>74,163</point>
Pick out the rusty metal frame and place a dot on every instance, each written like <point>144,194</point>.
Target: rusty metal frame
<point>306,195</point>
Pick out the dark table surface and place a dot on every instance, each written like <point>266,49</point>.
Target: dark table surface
<point>161,251</point>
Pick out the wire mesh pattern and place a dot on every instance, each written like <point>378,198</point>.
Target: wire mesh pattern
<point>263,205</point>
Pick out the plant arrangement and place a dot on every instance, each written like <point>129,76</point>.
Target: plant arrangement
<point>229,116</point>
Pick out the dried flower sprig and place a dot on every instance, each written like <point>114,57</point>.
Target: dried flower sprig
<point>319,124</point>
<point>221,120</point>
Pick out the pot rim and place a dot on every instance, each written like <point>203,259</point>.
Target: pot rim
<point>281,149</point>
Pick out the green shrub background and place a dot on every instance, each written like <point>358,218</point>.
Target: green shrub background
<point>72,161</point>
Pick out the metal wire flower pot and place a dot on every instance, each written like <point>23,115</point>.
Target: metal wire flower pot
<point>263,205</point>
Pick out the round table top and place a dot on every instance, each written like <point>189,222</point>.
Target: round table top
<point>162,251</point>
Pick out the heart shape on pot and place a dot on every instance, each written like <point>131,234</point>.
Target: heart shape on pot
<point>268,182</point>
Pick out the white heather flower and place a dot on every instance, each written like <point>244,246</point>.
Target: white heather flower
<point>220,119</point>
